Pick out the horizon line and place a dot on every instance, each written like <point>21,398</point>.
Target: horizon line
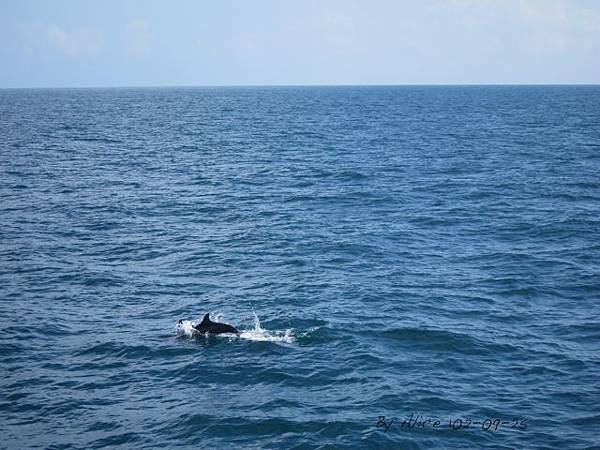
<point>191,86</point>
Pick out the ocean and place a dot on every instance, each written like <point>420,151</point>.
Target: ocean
<point>410,267</point>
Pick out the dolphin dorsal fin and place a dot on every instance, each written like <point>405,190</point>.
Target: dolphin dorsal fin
<point>206,320</point>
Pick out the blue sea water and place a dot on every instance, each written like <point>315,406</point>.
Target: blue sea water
<point>420,253</point>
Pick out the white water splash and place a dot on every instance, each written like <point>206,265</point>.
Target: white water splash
<point>258,333</point>
<point>186,328</point>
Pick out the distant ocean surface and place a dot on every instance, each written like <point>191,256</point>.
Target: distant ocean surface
<point>410,267</point>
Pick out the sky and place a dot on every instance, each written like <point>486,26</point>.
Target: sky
<point>84,43</point>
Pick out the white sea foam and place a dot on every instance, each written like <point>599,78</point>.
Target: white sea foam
<point>258,333</point>
<point>186,328</point>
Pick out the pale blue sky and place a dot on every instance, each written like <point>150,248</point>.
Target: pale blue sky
<point>181,42</point>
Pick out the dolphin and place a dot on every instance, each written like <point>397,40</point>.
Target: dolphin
<point>210,327</point>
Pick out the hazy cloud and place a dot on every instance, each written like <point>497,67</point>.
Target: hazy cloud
<point>333,27</point>
<point>75,42</point>
<point>542,25</point>
<point>139,36</point>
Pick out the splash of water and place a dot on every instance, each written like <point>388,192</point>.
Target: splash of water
<point>258,333</point>
<point>186,328</point>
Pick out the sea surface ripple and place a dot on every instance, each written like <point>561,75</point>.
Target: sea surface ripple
<point>386,251</point>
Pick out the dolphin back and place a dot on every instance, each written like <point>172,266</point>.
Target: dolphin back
<point>208,326</point>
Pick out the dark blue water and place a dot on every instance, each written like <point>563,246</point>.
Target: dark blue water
<point>386,251</point>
